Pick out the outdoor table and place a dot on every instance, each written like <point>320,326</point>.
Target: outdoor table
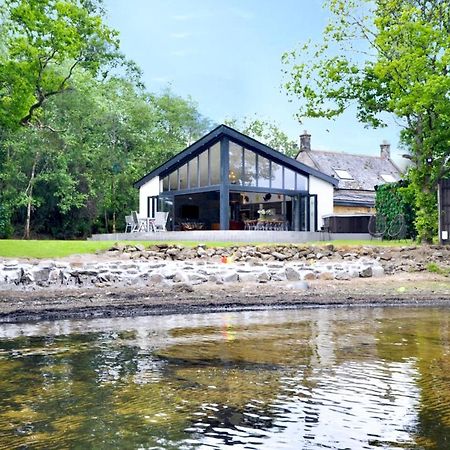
<point>147,224</point>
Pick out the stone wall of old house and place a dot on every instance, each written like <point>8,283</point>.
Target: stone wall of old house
<point>338,209</point>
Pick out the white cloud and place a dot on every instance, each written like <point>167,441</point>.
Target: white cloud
<point>191,16</point>
<point>180,35</point>
<point>242,13</point>
<point>185,52</point>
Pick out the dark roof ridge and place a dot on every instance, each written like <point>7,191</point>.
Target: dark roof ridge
<point>344,153</point>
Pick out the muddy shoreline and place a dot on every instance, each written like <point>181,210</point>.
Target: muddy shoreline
<point>418,289</point>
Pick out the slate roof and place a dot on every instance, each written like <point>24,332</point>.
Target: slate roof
<point>365,170</point>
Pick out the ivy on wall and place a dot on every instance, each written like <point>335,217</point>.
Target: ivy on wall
<point>393,200</point>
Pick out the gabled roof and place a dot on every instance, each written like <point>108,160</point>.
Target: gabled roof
<point>224,131</point>
<point>365,170</point>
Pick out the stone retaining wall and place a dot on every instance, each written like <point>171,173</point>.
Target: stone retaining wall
<point>184,266</point>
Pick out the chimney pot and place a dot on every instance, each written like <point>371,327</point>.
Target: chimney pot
<point>305,141</point>
<point>385,150</point>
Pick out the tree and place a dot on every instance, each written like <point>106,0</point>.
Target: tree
<point>267,132</point>
<point>385,56</point>
<point>106,135</point>
<point>45,43</point>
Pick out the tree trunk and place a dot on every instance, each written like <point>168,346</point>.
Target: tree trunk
<point>106,221</point>
<point>29,193</point>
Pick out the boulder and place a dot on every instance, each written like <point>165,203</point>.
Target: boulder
<point>180,277</point>
<point>309,276</point>
<point>326,276</point>
<point>279,256</point>
<point>263,277</point>
<point>292,274</point>
<point>230,277</point>
<point>367,272</point>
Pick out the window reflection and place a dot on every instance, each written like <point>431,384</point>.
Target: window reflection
<point>277,176</point>
<point>214,163</point>
<point>173,181</point>
<point>235,173</point>
<point>302,182</point>
<point>249,168</point>
<point>166,183</point>
<point>203,168</point>
<point>183,177</point>
<point>246,168</point>
<point>193,173</point>
<point>289,179</point>
<point>263,172</point>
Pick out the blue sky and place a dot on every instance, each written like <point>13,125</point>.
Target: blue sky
<point>227,56</point>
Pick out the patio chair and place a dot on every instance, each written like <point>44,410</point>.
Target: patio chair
<point>138,225</point>
<point>129,224</point>
<point>160,220</point>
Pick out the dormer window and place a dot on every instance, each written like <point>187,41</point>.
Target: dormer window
<point>343,174</point>
<point>388,177</point>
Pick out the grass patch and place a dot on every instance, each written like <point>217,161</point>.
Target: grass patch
<point>435,268</point>
<point>56,249</point>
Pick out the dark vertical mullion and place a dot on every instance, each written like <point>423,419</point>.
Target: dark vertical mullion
<point>257,169</point>
<point>224,183</point>
<point>282,177</point>
<point>308,221</point>
<point>197,162</point>
<point>188,171</point>
<point>209,166</point>
<point>270,174</point>
<point>242,167</point>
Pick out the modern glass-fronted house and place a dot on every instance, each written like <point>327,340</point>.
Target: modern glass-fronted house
<point>227,180</point>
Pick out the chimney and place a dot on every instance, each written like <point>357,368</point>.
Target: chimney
<point>385,150</point>
<point>305,141</point>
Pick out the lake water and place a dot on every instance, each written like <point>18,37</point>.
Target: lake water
<point>349,378</point>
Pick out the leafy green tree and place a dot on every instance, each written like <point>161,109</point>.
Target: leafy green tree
<point>385,56</point>
<point>45,43</point>
<point>106,135</point>
<point>266,132</point>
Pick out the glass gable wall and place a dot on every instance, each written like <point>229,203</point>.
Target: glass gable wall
<point>202,170</point>
<point>261,192</point>
<point>248,168</point>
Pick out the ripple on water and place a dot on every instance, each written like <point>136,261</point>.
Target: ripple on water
<point>278,380</point>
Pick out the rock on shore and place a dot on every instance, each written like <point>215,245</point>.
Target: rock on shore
<point>175,265</point>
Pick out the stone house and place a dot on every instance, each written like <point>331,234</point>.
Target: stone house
<point>357,175</point>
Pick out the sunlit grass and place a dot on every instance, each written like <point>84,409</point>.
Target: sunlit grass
<point>56,249</point>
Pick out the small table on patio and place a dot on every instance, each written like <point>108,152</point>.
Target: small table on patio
<point>147,224</point>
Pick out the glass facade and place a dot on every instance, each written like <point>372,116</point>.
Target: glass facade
<point>236,164</point>
<point>246,168</point>
<point>263,193</point>
<point>250,168</point>
<point>214,164</point>
<point>183,174</point>
<point>276,176</point>
<point>203,169</point>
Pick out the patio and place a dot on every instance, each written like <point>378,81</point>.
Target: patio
<point>254,236</point>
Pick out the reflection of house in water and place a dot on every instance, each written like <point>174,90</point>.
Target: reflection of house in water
<point>226,178</point>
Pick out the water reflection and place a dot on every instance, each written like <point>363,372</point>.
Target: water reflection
<point>355,378</point>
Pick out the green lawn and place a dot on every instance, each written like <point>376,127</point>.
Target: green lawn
<point>55,249</point>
